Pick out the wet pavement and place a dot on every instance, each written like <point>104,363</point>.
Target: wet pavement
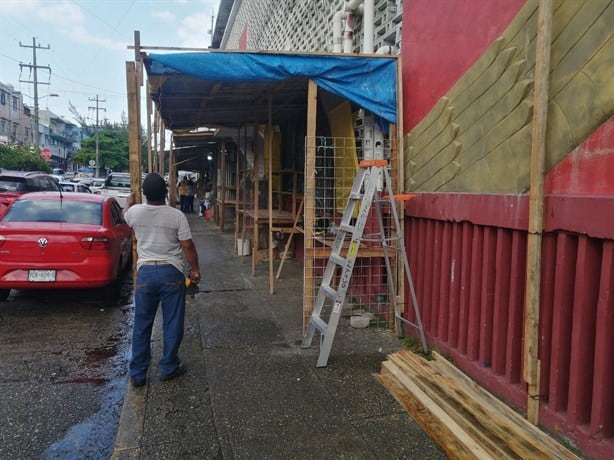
<point>251,391</point>
<point>63,370</point>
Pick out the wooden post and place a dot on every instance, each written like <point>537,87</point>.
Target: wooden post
<point>536,209</point>
<point>172,179</point>
<point>134,136</point>
<point>162,144</point>
<point>397,165</point>
<point>221,199</point>
<point>269,147</point>
<point>237,182</point>
<point>149,107</point>
<point>255,236</point>
<point>309,201</point>
<point>134,144</point>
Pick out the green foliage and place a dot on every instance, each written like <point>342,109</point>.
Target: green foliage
<point>113,148</point>
<point>21,159</point>
<point>413,344</point>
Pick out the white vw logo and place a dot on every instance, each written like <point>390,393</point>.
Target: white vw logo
<point>42,242</point>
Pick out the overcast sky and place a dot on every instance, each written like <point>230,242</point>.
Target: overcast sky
<point>88,42</point>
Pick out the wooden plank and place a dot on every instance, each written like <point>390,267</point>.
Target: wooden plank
<point>536,208</point>
<point>494,416</point>
<point>452,438</point>
<point>310,186</point>
<point>445,393</point>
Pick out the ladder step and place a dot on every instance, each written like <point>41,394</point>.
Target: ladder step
<point>319,324</point>
<point>355,196</point>
<point>346,228</point>
<point>336,258</point>
<point>329,292</point>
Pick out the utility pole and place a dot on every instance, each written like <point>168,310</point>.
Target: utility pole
<point>97,109</point>
<point>35,68</point>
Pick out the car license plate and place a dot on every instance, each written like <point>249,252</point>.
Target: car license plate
<point>41,276</point>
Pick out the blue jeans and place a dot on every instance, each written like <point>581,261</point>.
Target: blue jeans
<point>165,285</point>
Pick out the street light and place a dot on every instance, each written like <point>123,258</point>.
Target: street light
<point>36,117</point>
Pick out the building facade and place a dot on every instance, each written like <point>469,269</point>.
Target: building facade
<point>469,95</point>
<point>309,25</point>
<point>15,118</point>
<point>57,135</point>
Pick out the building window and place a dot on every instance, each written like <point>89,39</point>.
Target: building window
<point>2,97</point>
<point>15,103</point>
<point>2,127</point>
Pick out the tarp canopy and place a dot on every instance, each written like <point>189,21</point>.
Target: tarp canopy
<point>228,88</point>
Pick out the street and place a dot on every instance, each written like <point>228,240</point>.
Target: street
<point>63,366</point>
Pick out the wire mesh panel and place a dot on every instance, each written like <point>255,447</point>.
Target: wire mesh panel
<point>329,179</point>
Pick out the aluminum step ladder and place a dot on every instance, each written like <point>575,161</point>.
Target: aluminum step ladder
<point>372,185</point>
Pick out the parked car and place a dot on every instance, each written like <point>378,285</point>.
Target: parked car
<point>117,185</point>
<point>52,240</point>
<point>16,183</point>
<point>75,187</point>
<point>97,184</point>
<point>59,172</point>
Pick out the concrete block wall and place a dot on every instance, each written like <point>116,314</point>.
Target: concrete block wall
<point>307,25</point>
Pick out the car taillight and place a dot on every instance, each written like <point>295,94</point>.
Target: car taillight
<point>96,243</point>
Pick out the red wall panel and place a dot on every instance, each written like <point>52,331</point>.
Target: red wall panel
<point>468,256</point>
<point>441,40</point>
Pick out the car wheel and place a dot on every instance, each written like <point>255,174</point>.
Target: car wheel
<point>4,293</point>
<point>112,292</point>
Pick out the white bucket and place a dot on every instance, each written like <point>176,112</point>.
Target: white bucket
<point>247,247</point>
<point>244,247</point>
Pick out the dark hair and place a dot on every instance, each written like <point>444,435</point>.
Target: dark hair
<point>154,187</point>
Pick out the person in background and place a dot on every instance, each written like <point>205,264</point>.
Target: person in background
<point>190,191</point>
<point>164,244</point>
<point>181,191</point>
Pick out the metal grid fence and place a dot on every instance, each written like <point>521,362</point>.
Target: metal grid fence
<point>335,166</point>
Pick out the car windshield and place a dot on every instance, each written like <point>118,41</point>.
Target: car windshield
<point>77,212</point>
<point>12,185</point>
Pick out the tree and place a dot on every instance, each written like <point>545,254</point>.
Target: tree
<point>21,158</point>
<point>112,148</point>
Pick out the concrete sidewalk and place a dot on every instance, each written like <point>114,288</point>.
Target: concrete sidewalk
<point>251,392</point>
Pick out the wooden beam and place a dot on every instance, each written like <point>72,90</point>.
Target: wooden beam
<point>149,109</point>
<point>309,199</point>
<point>256,176</point>
<point>172,176</point>
<point>536,209</point>
<point>162,144</point>
<point>269,148</point>
<point>134,133</point>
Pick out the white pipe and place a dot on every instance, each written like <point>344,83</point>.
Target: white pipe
<point>351,5</point>
<point>338,31</point>
<point>348,34</point>
<point>368,27</point>
<point>386,49</point>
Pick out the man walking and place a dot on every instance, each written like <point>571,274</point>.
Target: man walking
<point>164,242</point>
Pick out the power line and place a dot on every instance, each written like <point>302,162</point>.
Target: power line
<point>34,67</point>
<point>97,109</point>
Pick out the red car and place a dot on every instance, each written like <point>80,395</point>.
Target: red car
<point>52,240</point>
<point>16,183</point>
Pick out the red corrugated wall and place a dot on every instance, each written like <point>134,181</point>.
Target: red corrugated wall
<point>468,257</point>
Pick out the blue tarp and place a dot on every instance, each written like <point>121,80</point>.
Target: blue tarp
<point>369,82</point>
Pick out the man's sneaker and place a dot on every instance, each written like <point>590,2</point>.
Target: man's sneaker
<point>176,373</point>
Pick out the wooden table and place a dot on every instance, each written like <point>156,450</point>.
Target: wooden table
<point>261,217</point>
